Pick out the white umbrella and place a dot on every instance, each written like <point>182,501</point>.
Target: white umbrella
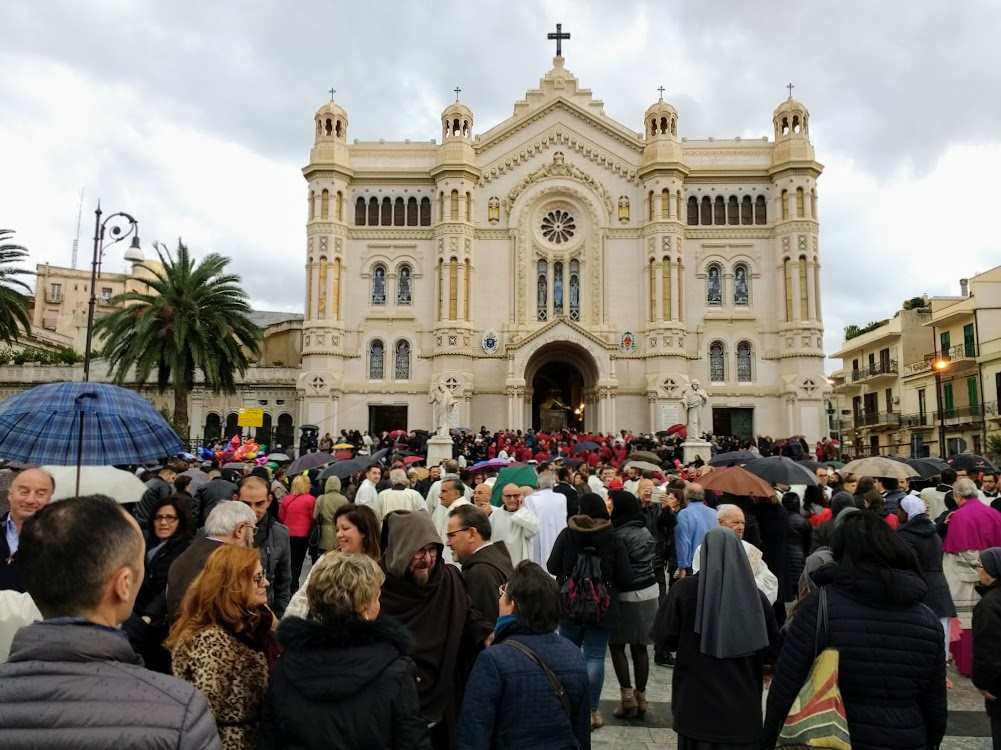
<point>122,486</point>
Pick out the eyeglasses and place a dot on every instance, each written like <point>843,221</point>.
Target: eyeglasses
<point>516,494</point>
<point>432,552</point>
<point>451,534</point>
<point>250,526</point>
<point>167,519</point>
<point>259,579</point>
<point>502,589</point>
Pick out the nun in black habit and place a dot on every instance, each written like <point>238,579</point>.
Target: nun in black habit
<point>724,632</point>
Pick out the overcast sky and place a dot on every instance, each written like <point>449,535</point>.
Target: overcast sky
<point>196,116</point>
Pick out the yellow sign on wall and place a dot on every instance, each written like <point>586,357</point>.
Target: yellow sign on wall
<point>250,418</point>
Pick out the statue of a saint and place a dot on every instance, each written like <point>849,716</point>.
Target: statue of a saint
<point>543,292</point>
<point>574,291</point>
<point>379,286</point>
<point>693,399</point>
<point>403,297</point>
<point>740,286</point>
<point>442,402</point>
<point>715,290</point>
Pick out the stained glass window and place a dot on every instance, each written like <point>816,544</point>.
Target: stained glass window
<point>402,359</point>
<point>717,363</point>
<point>558,226</point>
<point>376,358</point>
<point>743,362</point>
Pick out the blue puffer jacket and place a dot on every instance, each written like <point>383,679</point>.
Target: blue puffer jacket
<point>509,702</point>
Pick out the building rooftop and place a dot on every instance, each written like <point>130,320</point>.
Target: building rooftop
<point>265,318</point>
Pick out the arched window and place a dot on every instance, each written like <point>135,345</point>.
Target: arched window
<point>465,290</point>
<point>720,212</point>
<point>425,212</point>
<point>339,206</point>
<point>379,285</point>
<point>373,212</point>
<point>743,362</point>
<point>284,433</point>
<point>717,362</point>
<point>312,204</point>
<point>649,206</point>
<point>399,213</point>
<point>360,212</point>
<point>453,206</point>
<point>232,428</point>
<point>746,211</point>
<point>387,213</point>
<point>714,285</point>
<point>403,292</point>
<point>376,360</point>
<point>325,204</point>
<point>574,290</point>
<point>760,210</point>
<point>453,289</point>
<point>213,426</point>
<point>800,203</point>
<point>542,290</point>
<point>804,297</point>
<point>706,219</point>
<point>653,289</point>
<point>741,285</point>
<point>557,289</point>
<point>412,212</point>
<point>335,303</point>
<point>469,206</point>
<point>337,129</point>
<point>441,206</point>
<point>665,204</point>
<point>732,212</point>
<point>787,275</point>
<point>665,287</point>
<point>441,289</point>
<point>322,296</point>
<point>403,360</point>
<point>785,205</point>
<point>693,211</point>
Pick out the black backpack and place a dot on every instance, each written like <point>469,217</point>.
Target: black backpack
<point>584,595</point>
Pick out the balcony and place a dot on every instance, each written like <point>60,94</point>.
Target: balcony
<point>916,421</point>
<point>53,296</point>
<point>991,411</point>
<point>878,419</point>
<point>954,354</point>
<point>961,414</point>
<point>885,367</point>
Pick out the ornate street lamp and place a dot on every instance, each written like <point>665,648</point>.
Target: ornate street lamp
<point>120,226</point>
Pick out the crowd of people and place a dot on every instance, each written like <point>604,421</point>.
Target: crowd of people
<point>469,606</point>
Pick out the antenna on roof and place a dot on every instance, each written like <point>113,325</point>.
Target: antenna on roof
<point>76,240</point>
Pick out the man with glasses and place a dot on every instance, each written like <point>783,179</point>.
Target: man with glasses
<point>431,601</point>
<point>272,539</point>
<point>485,564</point>
<point>452,496</point>
<point>514,524</point>
<point>231,522</point>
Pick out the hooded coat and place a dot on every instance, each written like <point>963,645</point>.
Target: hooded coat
<point>448,631</point>
<point>892,663</point>
<point>343,685</point>
<point>326,505</point>
<point>987,645</point>
<point>485,571</point>
<point>919,534</point>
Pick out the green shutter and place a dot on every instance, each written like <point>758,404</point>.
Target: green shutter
<point>948,407</point>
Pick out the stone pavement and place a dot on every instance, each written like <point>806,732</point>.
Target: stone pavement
<point>969,728</point>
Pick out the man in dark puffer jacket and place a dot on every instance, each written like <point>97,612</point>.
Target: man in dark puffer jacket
<point>892,661</point>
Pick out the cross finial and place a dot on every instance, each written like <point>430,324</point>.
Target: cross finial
<point>661,90</point>
<point>790,87</point>
<point>457,92</point>
<point>332,92</point>
<point>559,36</point>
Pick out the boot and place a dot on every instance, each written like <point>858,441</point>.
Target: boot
<point>627,706</point>
<point>641,705</point>
<point>596,721</point>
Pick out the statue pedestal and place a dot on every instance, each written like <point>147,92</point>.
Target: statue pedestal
<point>440,449</point>
<point>692,448</point>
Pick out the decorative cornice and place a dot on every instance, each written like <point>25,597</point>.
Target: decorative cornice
<point>388,234</point>
<point>559,168</point>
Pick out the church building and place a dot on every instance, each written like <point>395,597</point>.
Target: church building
<point>562,268</point>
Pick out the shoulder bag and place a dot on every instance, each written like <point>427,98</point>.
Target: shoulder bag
<point>561,693</point>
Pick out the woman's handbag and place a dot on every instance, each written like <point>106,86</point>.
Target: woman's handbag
<point>817,716</point>
<point>315,528</point>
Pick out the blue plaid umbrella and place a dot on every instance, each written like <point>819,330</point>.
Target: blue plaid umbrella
<point>88,424</point>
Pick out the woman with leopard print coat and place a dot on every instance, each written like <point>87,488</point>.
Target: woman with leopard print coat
<point>222,642</point>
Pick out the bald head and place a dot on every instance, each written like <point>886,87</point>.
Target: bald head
<point>696,493</point>
<point>511,495</point>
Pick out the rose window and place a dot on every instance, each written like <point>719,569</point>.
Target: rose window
<point>558,227</point>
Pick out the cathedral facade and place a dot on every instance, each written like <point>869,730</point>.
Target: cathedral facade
<point>563,268</point>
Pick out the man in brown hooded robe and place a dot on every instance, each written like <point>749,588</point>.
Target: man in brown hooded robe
<point>431,600</point>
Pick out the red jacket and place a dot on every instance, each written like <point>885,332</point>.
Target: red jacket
<point>296,512</point>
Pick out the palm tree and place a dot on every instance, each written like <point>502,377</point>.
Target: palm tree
<point>193,316</point>
<point>13,303</point>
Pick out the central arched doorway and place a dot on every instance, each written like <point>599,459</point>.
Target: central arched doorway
<point>561,379</point>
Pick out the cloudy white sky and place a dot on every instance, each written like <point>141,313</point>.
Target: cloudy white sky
<point>196,116</point>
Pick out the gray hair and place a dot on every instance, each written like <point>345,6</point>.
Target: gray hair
<point>966,488</point>
<point>397,476</point>
<point>726,510</point>
<point>225,517</point>
<point>546,481</point>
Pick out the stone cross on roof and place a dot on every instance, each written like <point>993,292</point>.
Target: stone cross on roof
<point>559,36</point>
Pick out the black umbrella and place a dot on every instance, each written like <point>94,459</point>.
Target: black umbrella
<point>925,468</point>
<point>343,469</point>
<point>583,447</point>
<point>733,457</point>
<point>781,470</point>
<point>309,461</point>
<point>970,462</point>
<point>379,455</point>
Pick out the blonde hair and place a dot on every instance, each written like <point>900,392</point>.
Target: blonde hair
<point>300,485</point>
<point>341,584</point>
<point>220,595</point>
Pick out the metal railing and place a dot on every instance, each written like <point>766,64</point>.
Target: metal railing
<point>973,412</point>
<point>883,367</point>
<point>874,418</point>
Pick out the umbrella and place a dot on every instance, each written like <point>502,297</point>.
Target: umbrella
<point>413,459</point>
<point>677,429</point>
<point>123,486</point>
<point>235,465</point>
<point>970,462</point>
<point>926,469</point>
<point>309,461</point>
<point>343,469</point>
<point>809,463</point>
<point>498,463</point>
<point>520,475</point>
<point>645,456</point>
<point>736,481</point>
<point>879,466</point>
<point>379,454</point>
<point>781,470</point>
<point>343,446</point>
<point>642,465</point>
<point>834,464</point>
<point>422,472</point>
<point>583,447</point>
<point>278,457</point>
<point>342,455</point>
<point>733,457</point>
<point>397,433</point>
<point>573,462</point>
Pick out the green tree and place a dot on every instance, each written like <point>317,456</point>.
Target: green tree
<point>193,316</point>
<point>14,305</point>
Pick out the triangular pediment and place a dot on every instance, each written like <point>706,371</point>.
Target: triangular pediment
<point>561,329</point>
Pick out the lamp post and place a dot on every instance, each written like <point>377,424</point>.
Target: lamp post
<point>940,364</point>
<point>122,226</point>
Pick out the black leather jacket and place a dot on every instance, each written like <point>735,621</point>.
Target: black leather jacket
<point>641,547</point>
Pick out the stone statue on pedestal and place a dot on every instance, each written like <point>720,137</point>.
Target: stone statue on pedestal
<point>442,402</point>
<point>694,399</point>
